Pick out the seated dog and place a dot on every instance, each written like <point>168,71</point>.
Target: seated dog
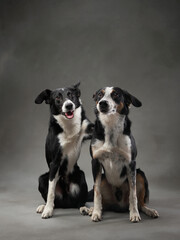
<point>113,149</point>
<point>64,186</point>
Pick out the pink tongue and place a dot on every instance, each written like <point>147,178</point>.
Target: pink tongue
<point>69,115</point>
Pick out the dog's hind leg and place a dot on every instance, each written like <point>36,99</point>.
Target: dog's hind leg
<point>149,211</point>
<point>43,185</point>
<point>143,195</point>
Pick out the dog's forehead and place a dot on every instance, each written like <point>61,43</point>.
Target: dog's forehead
<point>108,91</point>
<point>105,90</point>
<point>62,91</point>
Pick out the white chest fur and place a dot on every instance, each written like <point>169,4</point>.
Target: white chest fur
<point>113,169</point>
<point>71,137</point>
<point>115,152</point>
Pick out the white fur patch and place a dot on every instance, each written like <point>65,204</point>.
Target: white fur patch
<point>107,97</point>
<point>40,208</point>
<point>72,136</point>
<point>48,209</point>
<point>67,102</point>
<point>116,149</point>
<point>74,189</point>
<point>97,210</point>
<point>71,127</point>
<point>133,208</point>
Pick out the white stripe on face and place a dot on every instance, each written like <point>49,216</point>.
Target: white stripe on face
<point>108,91</point>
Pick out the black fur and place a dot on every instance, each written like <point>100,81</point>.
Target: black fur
<point>146,197</point>
<point>68,201</point>
<point>123,172</point>
<point>95,167</point>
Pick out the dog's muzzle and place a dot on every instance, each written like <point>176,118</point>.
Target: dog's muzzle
<point>68,109</point>
<point>103,106</point>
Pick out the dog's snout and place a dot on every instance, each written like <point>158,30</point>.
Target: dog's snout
<point>103,106</point>
<point>69,106</point>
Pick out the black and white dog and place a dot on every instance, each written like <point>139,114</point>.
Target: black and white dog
<point>113,149</point>
<point>64,186</point>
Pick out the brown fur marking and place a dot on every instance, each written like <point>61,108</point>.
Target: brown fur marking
<point>108,192</point>
<point>119,107</point>
<point>140,190</point>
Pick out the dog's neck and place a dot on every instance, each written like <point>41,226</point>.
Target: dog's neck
<point>71,127</point>
<point>113,126</point>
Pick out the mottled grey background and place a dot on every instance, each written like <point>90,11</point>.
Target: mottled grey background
<point>132,44</point>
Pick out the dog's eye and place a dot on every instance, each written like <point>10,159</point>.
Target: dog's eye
<point>100,94</point>
<point>70,94</point>
<point>58,99</point>
<point>115,94</point>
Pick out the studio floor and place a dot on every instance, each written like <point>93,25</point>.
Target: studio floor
<point>20,221</point>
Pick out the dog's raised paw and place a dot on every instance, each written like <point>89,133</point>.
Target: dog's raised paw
<point>40,208</point>
<point>96,216</point>
<point>135,217</point>
<point>47,213</point>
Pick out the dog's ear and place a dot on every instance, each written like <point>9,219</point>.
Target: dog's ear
<point>76,85</point>
<point>95,96</point>
<point>43,96</point>
<point>77,90</point>
<point>130,99</point>
<point>97,93</point>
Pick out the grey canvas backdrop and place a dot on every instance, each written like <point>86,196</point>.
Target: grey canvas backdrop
<point>49,44</point>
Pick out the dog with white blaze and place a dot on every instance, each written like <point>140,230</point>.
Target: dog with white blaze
<point>113,150</point>
<point>64,186</point>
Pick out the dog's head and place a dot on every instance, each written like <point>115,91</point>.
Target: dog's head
<point>62,100</point>
<point>111,100</point>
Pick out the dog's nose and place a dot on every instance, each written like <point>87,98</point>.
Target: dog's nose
<point>103,104</point>
<point>69,106</point>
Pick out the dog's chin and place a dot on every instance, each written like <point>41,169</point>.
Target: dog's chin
<point>69,114</point>
<point>109,112</point>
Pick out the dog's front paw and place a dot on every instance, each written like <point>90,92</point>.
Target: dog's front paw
<point>96,216</point>
<point>135,217</point>
<point>47,213</point>
<point>40,208</point>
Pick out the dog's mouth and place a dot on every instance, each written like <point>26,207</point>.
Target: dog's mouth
<point>69,114</point>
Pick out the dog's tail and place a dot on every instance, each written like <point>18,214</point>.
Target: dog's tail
<point>146,197</point>
<point>90,196</point>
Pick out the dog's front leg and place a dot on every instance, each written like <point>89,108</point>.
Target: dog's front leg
<point>48,210</point>
<point>133,206</point>
<point>97,171</point>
